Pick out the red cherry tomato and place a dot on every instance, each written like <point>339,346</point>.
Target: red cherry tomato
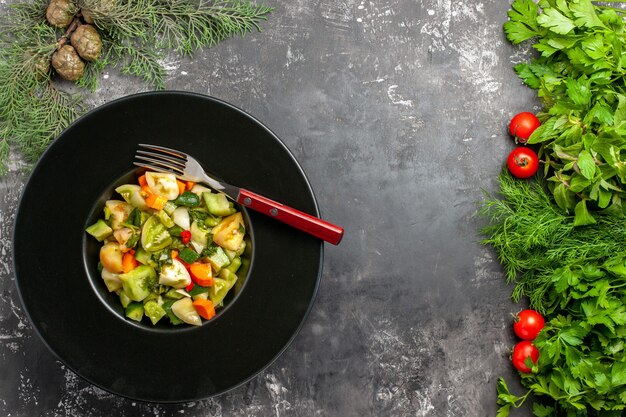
<point>523,162</point>
<point>522,125</point>
<point>528,324</point>
<point>521,351</point>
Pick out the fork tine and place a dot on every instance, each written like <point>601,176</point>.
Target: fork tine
<point>160,157</point>
<point>158,165</point>
<point>152,167</point>
<point>163,149</point>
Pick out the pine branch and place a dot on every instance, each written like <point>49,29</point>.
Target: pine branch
<point>135,35</point>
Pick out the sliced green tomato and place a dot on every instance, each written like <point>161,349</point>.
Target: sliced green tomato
<point>124,299</point>
<point>229,276</point>
<point>199,234</point>
<point>220,288</point>
<point>199,189</point>
<point>127,191</point>
<point>165,219</point>
<point>169,207</point>
<point>230,232</point>
<point>111,280</point>
<point>154,235</point>
<point>235,263</point>
<point>175,275</point>
<point>139,283</point>
<point>163,184</point>
<point>136,200</point>
<point>184,310</point>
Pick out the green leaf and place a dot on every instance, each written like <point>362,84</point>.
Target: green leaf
<point>523,21</point>
<point>502,387</point>
<point>561,42</point>
<point>586,164</point>
<point>553,20</point>
<point>600,113</point>
<point>540,410</point>
<point>604,198</point>
<point>573,336</point>
<point>602,382</point>
<point>594,47</point>
<point>579,91</point>
<point>581,214</point>
<point>620,111</point>
<point>529,78</point>
<point>539,135</point>
<point>618,315</point>
<point>578,183</point>
<point>585,14</point>
<point>622,396</point>
<point>564,198</point>
<point>504,411</point>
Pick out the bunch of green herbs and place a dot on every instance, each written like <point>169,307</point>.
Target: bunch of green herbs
<point>576,277</point>
<point>136,35</point>
<point>579,77</point>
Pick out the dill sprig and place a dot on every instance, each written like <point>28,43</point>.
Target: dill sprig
<point>135,35</point>
<point>534,239</point>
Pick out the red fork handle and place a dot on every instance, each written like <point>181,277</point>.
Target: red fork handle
<point>310,224</point>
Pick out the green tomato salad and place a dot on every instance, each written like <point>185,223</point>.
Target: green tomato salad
<point>171,250</point>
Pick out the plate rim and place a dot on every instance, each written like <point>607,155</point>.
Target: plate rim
<point>37,167</point>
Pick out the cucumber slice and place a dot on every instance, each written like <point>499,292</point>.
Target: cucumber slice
<point>218,204</point>
<point>134,311</point>
<point>218,259</point>
<point>145,258</point>
<point>100,230</point>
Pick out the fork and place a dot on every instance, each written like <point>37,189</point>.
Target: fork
<point>187,168</point>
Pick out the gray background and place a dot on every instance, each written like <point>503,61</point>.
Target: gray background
<point>397,111</point>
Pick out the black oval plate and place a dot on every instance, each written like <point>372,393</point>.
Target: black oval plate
<point>163,365</point>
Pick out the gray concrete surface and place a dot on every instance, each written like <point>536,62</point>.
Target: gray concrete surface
<point>397,111</point>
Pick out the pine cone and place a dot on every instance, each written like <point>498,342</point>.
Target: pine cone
<point>87,42</point>
<point>68,64</point>
<point>60,13</point>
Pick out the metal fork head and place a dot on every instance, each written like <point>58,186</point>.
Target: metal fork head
<point>161,159</point>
